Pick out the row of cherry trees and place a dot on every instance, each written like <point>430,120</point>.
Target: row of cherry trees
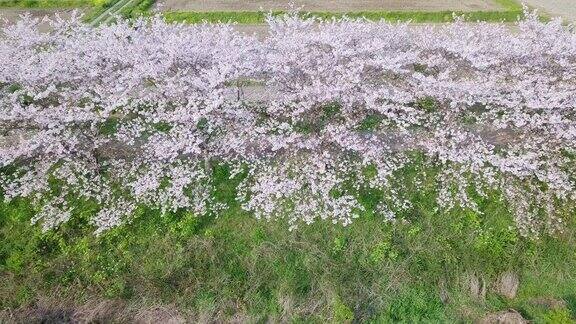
<point>135,113</point>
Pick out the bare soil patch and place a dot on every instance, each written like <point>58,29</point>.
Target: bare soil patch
<point>562,8</point>
<point>10,16</point>
<point>326,5</point>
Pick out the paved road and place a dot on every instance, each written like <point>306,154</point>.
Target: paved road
<point>563,8</point>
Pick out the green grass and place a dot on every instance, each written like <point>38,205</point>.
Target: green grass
<point>138,8</point>
<point>96,7</point>
<point>235,267</point>
<point>509,4</point>
<point>53,3</point>
<point>134,9</point>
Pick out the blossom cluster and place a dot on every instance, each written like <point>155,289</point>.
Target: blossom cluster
<point>136,112</point>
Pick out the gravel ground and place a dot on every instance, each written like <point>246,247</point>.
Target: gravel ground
<point>326,5</point>
<point>562,8</point>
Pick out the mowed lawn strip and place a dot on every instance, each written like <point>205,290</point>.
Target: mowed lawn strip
<point>509,5</point>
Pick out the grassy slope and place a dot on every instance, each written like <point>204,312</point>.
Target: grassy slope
<point>139,7</point>
<point>236,267</point>
<point>136,7</point>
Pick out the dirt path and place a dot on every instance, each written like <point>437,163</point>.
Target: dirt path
<point>562,8</point>
<point>10,16</point>
<point>326,5</point>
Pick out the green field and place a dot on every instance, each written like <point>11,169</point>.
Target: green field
<point>233,267</point>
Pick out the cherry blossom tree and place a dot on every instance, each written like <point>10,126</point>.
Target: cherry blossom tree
<point>135,113</point>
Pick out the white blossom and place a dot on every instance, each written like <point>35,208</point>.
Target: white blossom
<point>135,113</point>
